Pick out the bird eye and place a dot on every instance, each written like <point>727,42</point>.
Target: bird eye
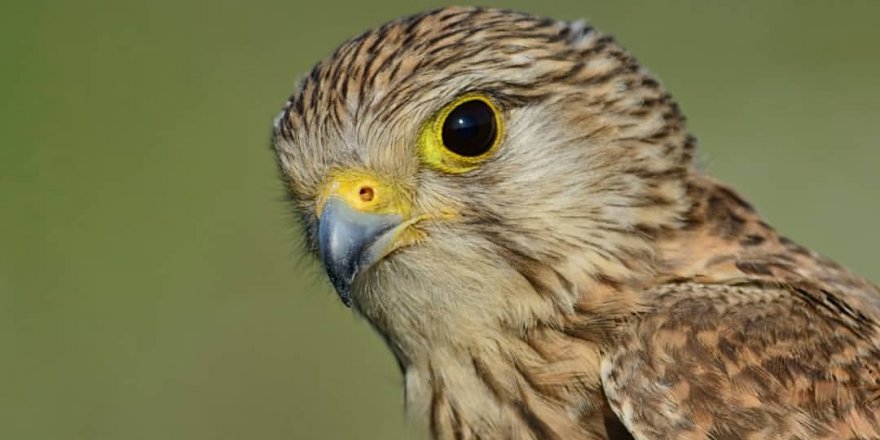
<point>462,134</point>
<point>470,129</point>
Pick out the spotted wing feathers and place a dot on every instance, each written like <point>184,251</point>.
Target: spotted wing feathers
<point>745,361</point>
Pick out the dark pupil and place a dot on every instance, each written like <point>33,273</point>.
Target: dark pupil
<point>469,130</point>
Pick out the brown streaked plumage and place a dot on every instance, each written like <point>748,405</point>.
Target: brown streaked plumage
<point>583,280</point>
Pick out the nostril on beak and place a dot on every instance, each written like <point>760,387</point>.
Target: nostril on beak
<point>366,194</point>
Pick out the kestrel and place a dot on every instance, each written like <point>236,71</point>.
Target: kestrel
<point>511,202</point>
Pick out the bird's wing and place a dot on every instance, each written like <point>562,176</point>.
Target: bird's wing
<point>746,360</point>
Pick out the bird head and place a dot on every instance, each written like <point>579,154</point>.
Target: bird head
<point>468,169</point>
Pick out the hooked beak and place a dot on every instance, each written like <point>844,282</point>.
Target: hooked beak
<point>351,241</point>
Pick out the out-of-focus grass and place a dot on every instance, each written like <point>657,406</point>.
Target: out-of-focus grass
<point>151,284</point>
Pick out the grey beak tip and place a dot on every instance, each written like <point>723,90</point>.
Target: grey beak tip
<point>346,299</point>
<point>341,280</point>
<point>344,293</point>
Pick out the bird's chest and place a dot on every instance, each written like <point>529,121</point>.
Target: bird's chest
<point>508,397</point>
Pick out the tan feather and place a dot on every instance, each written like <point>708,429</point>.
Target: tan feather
<point>592,284</point>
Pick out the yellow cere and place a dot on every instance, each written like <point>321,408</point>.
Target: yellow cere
<point>365,192</point>
<point>437,156</point>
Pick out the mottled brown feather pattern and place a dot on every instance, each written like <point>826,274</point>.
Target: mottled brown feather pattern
<point>592,284</point>
<point>752,335</point>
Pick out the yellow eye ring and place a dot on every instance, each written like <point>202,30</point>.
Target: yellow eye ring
<point>462,134</point>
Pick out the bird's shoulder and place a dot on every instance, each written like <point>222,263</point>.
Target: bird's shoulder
<point>724,241</point>
<point>745,333</point>
<point>745,359</point>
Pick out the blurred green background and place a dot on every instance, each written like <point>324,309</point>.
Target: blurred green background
<point>151,282</point>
